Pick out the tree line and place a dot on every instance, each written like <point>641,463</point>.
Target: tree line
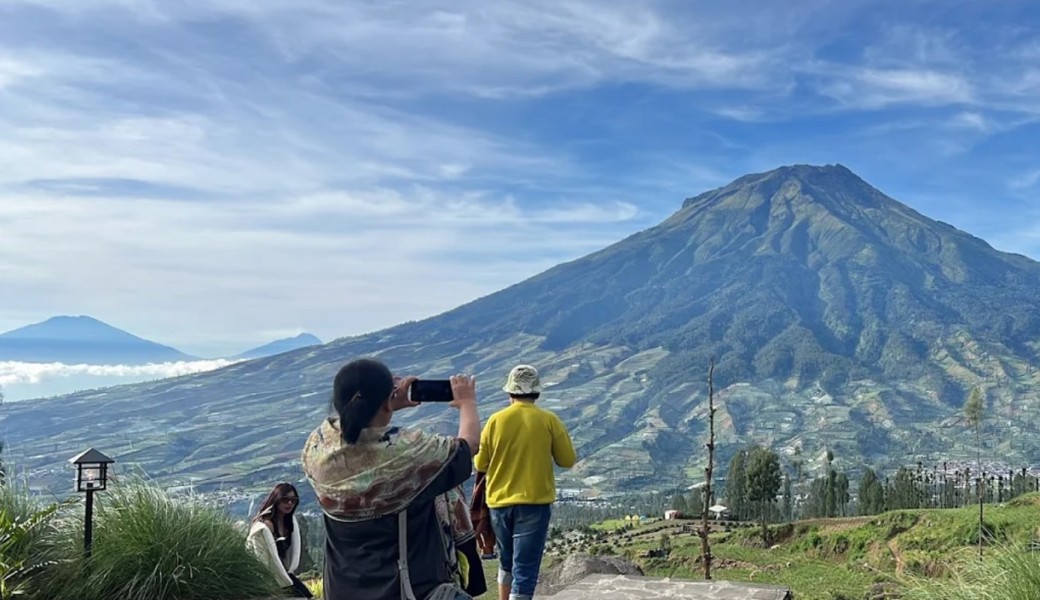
<point>757,485</point>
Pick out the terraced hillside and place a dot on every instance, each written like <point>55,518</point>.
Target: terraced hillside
<point>840,319</point>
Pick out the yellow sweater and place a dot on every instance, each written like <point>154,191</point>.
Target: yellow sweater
<point>517,449</point>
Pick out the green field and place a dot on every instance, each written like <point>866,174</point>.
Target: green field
<point>828,559</point>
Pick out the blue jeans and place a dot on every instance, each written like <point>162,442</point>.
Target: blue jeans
<point>520,533</point>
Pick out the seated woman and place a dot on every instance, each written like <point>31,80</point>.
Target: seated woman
<point>275,537</point>
<point>367,472</point>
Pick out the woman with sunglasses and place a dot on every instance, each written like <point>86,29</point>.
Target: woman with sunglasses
<point>390,493</point>
<point>275,537</point>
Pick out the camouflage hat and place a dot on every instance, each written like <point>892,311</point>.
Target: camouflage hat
<point>523,379</point>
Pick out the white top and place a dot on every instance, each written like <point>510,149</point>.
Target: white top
<point>261,541</point>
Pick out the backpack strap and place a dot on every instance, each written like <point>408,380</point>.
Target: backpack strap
<point>444,591</point>
<point>402,556</point>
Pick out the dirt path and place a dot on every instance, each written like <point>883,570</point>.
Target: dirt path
<point>893,547</point>
<point>836,524</point>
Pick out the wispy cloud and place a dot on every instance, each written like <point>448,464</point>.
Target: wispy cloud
<point>973,120</point>
<point>315,254</point>
<point>1025,181</point>
<point>492,50</point>
<point>878,88</point>
<point>211,170</point>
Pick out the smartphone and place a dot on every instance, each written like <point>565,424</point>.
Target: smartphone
<point>430,390</point>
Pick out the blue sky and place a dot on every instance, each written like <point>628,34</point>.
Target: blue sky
<point>213,174</point>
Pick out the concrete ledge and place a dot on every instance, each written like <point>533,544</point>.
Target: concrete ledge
<point>625,587</point>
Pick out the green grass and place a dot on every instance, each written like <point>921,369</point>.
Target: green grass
<point>27,533</point>
<point>831,559</point>
<point>149,546</point>
<point>809,577</point>
<point>611,525</point>
<point>1009,573</point>
<point>928,554</point>
<point>25,547</point>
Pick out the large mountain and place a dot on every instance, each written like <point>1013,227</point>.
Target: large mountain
<point>840,319</point>
<point>82,340</point>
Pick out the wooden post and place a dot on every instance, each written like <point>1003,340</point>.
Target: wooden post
<point>708,473</point>
<point>88,525</point>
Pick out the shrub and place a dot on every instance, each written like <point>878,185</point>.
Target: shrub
<point>23,541</point>
<point>1010,573</point>
<point>149,546</point>
<point>26,534</point>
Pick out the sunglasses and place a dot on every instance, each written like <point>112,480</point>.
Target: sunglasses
<point>290,499</point>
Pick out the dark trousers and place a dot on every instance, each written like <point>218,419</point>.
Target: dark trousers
<point>298,589</point>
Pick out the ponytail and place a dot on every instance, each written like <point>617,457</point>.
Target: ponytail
<point>360,388</point>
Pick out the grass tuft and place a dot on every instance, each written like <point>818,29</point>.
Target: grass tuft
<point>149,546</point>
<point>27,529</point>
<point>1010,573</point>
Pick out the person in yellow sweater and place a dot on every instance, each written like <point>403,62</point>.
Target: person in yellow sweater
<point>518,447</point>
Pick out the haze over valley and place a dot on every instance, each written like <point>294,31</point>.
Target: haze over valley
<point>68,354</point>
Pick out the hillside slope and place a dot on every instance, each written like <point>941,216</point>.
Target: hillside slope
<point>840,319</point>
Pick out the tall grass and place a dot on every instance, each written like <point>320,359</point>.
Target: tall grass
<point>1009,573</point>
<point>149,546</point>
<point>27,529</point>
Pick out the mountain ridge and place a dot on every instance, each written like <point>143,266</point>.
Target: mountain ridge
<point>839,319</point>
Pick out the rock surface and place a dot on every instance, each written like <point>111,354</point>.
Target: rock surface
<point>577,567</point>
<point>626,587</point>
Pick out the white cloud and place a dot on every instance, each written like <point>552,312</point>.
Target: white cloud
<point>508,48</point>
<point>423,205</point>
<point>16,373</point>
<point>291,207</point>
<point>1026,180</point>
<point>499,49</point>
<point>748,114</point>
<point>13,71</point>
<point>973,120</point>
<point>878,88</point>
<point>343,166</point>
<point>911,44</point>
<point>338,262</point>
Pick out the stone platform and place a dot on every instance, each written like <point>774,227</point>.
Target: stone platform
<point>625,587</point>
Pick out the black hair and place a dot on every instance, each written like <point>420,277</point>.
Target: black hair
<point>533,396</point>
<point>360,388</point>
<point>268,508</point>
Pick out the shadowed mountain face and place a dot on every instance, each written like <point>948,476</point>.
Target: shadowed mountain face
<point>82,340</point>
<point>839,318</point>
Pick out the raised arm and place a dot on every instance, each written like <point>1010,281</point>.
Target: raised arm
<point>464,389</point>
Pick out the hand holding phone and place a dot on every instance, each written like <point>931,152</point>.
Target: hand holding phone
<point>430,390</point>
<point>464,390</point>
<point>401,396</point>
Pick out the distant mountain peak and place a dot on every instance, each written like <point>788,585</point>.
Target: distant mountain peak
<point>80,327</point>
<point>296,342</point>
<point>82,339</point>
